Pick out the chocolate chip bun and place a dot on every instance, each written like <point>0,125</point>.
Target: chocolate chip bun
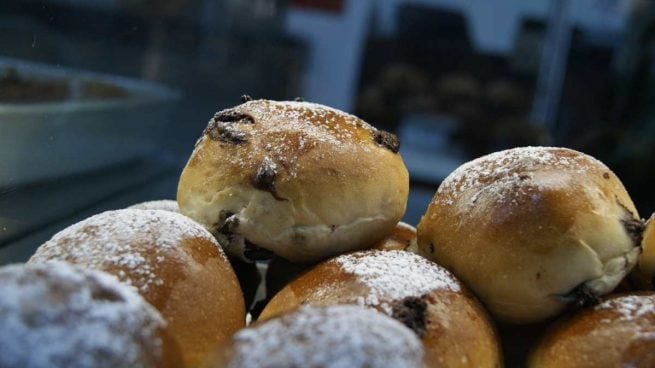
<point>58,315</point>
<point>643,275</point>
<point>532,230</point>
<point>174,263</point>
<point>454,329</point>
<point>297,179</point>
<point>619,332</point>
<point>332,337</point>
<point>161,204</point>
<point>280,272</point>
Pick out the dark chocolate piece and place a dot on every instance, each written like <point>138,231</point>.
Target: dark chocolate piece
<point>387,140</point>
<point>265,177</point>
<point>635,229</point>
<point>245,98</point>
<point>411,312</point>
<point>606,175</point>
<point>225,133</point>
<point>581,296</point>
<point>231,116</point>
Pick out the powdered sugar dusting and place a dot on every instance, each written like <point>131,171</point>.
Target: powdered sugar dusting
<point>58,315</point>
<point>507,175</point>
<point>164,205</point>
<point>136,240</point>
<point>630,307</point>
<point>331,337</point>
<point>285,130</point>
<point>395,275</point>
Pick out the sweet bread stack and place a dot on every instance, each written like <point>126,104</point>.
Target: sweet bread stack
<point>526,236</point>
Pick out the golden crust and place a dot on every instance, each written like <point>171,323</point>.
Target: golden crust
<point>619,332</point>
<point>174,264</point>
<point>306,181</point>
<point>644,273</point>
<point>524,227</point>
<point>458,331</point>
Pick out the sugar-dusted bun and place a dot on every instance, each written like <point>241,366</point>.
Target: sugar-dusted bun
<point>173,262</point>
<point>532,230</point>
<point>247,273</point>
<point>332,337</point>
<point>455,330</point>
<point>619,332</point>
<point>298,179</point>
<point>162,204</point>
<point>643,275</point>
<point>58,315</point>
<point>280,272</point>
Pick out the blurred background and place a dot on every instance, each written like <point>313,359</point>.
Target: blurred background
<point>101,101</point>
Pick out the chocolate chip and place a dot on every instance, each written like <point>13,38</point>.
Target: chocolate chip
<point>231,116</point>
<point>635,229</point>
<point>245,98</point>
<point>431,248</point>
<point>387,140</point>
<point>299,99</point>
<point>225,133</point>
<point>265,177</point>
<point>580,296</point>
<point>606,175</point>
<point>411,312</point>
<point>229,226</point>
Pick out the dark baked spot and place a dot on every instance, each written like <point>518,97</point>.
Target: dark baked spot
<point>387,140</point>
<point>431,248</point>
<point>581,296</point>
<point>411,312</point>
<point>254,253</point>
<point>225,133</point>
<point>245,98</point>
<point>606,175</point>
<point>231,116</point>
<point>265,177</point>
<point>538,276</point>
<point>299,99</point>
<point>635,229</point>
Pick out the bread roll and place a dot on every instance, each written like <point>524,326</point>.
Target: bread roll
<point>619,332</point>
<point>57,315</point>
<point>455,330</point>
<point>296,179</point>
<point>162,204</point>
<point>643,275</point>
<point>280,271</point>
<point>175,264</point>
<point>532,230</point>
<point>337,336</point>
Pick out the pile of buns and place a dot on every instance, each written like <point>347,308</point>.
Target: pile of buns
<point>535,236</point>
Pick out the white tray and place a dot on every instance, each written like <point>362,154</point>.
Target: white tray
<point>45,140</point>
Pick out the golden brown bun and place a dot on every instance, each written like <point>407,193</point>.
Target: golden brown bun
<point>301,180</point>
<point>533,229</point>
<point>619,332</point>
<point>335,336</point>
<point>643,274</point>
<point>175,264</point>
<point>455,330</point>
<point>280,272</point>
<point>58,315</point>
